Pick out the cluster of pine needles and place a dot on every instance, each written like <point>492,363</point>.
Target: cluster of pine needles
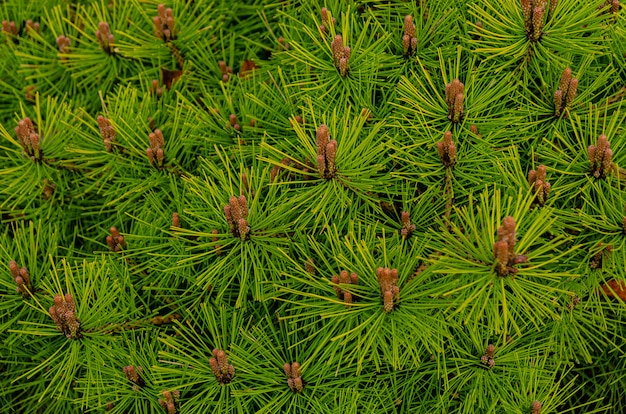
<point>329,206</point>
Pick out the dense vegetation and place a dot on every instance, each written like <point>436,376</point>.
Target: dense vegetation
<point>312,206</point>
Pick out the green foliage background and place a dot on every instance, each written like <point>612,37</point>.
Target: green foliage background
<point>174,293</point>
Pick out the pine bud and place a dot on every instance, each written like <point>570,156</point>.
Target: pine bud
<point>343,66</point>
<point>566,93</point>
<point>388,282</point>
<point>504,248</point>
<point>458,107</point>
<point>406,44</point>
<point>294,377</point>
<point>175,220</point>
<point>488,357</point>
<point>344,278</point>
<point>155,153</point>
<point>169,401</point>
<point>538,18</point>
<point>225,70</point>
<point>600,157</point>
<point>105,37</point>
<point>115,241</point>
<point>63,43</point>
<point>229,218</point>
<point>295,369</point>
<point>32,27</point>
<point>297,384</point>
<point>21,276</point>
<point>14,269</point>
<point>407,227</point>
<point>336,281</point>
<point>571,93</point>
<point>63,313</point>
<point>614,6</point>
<point>236,213</point>
<point>331,155</point>
<point>489,351</point>
<point>309,266</point>
<point>110,243</point>
<point>321,165</point>
<point>107,132</point>
<point>326,153</point>
<point>553,4</point>
<point>454,100</point>
<point>156,88</point>
<point>537,181</point>
<point>236,209</point>
<point>164,23</point>
<point>222,370</point>
<point>474,130</point>
<point>322,137</point>
<point>133,374</point>
<point>447,150</point>
<point>341,55</point>
<point>409,27</point>
<point>336,47</point>
<point>29,139</point>
<point>9,28</point>
<point>558,102</point>
<point>324,12</point>
<point>388,301</point>
<point>566,78</point>
<point>243,228</point>
<point>527,13</point>
<point>243,203</point>
<point>409,41</point>
<point>535,407</point>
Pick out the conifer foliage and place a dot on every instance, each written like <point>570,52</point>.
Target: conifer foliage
<point>312,206</point>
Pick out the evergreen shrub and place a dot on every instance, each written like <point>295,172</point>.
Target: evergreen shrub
<point>337,206</point>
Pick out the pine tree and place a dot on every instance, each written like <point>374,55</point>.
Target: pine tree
<point>312,207</point>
